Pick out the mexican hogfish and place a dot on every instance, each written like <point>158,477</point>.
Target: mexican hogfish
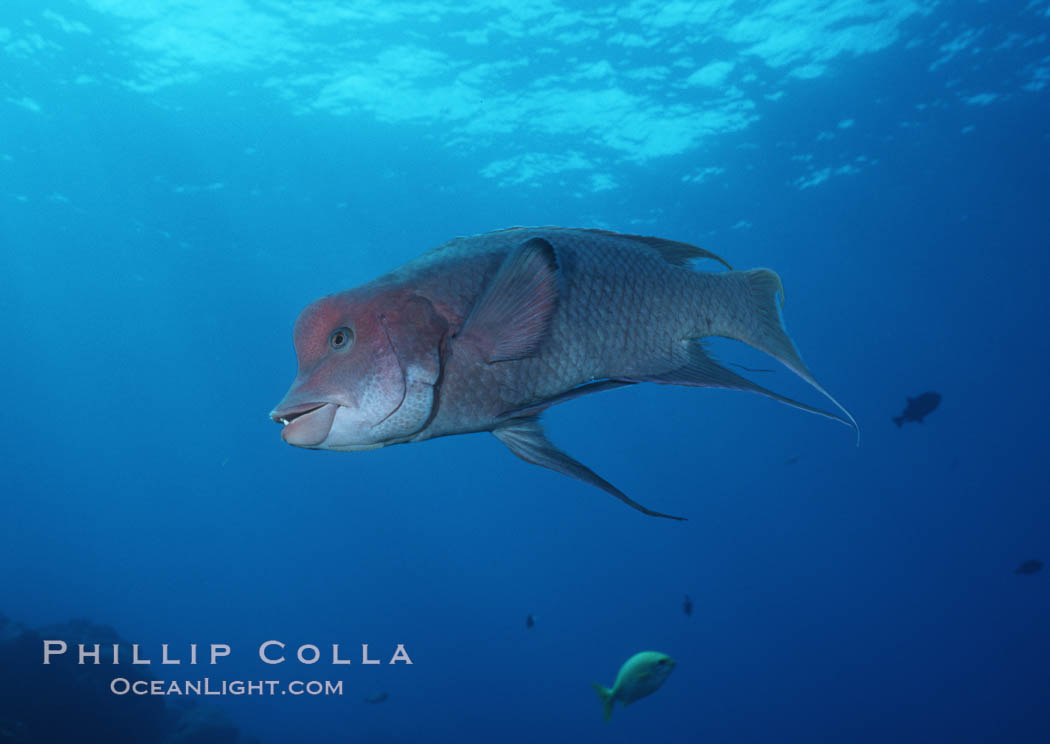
<point>487,332</point>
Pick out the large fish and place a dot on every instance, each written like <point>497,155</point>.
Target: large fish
<point>487,332</point>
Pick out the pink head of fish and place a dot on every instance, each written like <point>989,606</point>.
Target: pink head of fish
<point>368,363</point>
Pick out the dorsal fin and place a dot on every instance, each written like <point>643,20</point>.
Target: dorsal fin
<point>675,253</point>
<point>513,313</point>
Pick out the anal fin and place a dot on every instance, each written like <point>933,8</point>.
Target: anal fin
<point>700,370</point>
<point>525,438</point>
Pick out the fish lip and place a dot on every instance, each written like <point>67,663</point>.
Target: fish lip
<point>288,414</point>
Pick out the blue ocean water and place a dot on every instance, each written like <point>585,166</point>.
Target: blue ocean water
<point>178,178</point>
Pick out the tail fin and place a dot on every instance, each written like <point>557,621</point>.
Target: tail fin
<point>764,331</point>
<point>606,697</point>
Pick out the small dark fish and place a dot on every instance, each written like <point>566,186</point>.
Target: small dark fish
<point>687,606</point>
<point>530,622</point>
<point>1029,567</point>
<point>791,460</point>
<point>377,698</point>
<point>918,408</point>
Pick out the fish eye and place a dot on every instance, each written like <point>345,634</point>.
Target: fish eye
<point>341,338</point>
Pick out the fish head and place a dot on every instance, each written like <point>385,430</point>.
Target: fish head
<point>662,667</point>
<point>651,668</point>
<point>368,364</point>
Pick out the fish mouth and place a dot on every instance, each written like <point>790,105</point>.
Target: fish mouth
<point>288,414</point>
<point>306,424</point>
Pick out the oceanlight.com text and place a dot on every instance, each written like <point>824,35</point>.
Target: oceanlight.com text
<point>208,686</point>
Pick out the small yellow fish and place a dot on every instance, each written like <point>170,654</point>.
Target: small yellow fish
<point>641,675</point>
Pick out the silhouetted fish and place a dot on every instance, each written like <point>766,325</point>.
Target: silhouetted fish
<point>687,606</point>
<point>1029,567</point>
<point>918,408</point>
<point>486,333</point>
<point>530,622</point>
<point>377,698</point>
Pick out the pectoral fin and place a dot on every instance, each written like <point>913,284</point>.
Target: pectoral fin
<point>513,315</point>
<point>525,438</point>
